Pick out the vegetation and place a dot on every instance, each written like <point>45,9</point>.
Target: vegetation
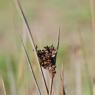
<point>40,25</point>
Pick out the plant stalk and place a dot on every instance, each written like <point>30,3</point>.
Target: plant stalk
<point>32,41</point>
<point>29,62</point>
<point>51,85</point>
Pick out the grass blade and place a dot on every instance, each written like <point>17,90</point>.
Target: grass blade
<point>52,78</point>
<point>32,41</point>
<point>29,62</point>
<point>31,68</point>
<point>58,39</point>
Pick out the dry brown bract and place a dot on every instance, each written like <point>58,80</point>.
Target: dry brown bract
<point>47,58</point>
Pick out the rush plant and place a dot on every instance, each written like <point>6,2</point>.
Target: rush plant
<point>46,57</point>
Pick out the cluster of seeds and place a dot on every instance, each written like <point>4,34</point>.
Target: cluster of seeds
<point>47,58</point>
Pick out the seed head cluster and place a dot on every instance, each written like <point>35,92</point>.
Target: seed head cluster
<point>47,58</point>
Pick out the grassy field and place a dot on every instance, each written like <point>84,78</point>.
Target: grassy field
<point>44,17</point>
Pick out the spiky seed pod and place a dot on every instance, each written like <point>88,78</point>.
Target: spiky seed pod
<point>47,58</point>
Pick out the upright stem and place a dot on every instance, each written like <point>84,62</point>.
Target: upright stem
<point>62,83</point>
<point>44,81</point>
<point>32,41</point>
<point>58,39</point>
<point>52,78</point>
<point>51,85</point>
<point>29,62</point>
<point>78,74</point>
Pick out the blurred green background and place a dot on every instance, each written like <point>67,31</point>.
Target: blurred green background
<point>76,52</point>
